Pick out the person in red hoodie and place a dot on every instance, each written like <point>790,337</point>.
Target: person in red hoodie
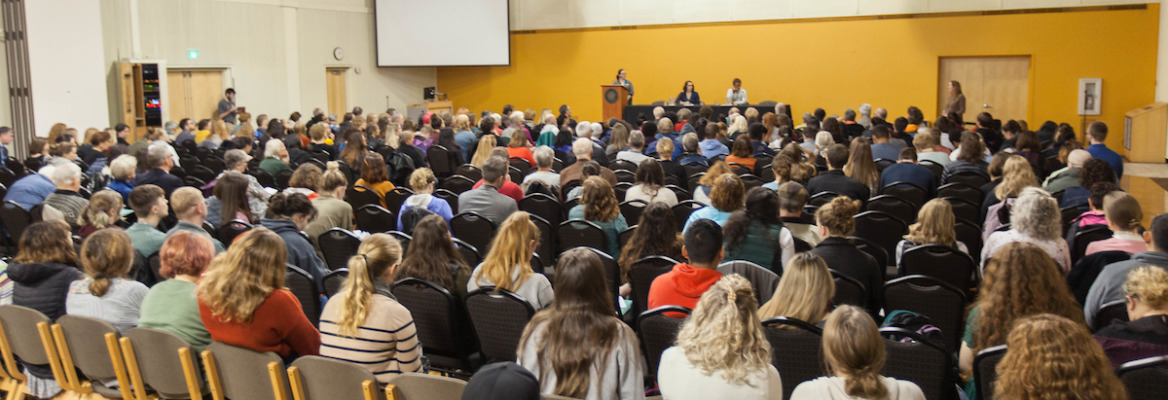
<point>684,285</point>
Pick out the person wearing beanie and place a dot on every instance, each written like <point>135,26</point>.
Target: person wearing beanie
<point>502,381</point>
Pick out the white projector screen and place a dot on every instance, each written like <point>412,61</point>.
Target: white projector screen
<point>415,33</point>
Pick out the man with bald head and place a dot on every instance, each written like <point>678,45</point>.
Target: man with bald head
<point>1067,177</point>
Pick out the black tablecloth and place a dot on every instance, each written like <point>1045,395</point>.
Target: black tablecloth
<point>632,112</point>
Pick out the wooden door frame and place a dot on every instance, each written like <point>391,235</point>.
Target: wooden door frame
<point>1029,79</point>
<point>225,75</point>
<point>347,72</point>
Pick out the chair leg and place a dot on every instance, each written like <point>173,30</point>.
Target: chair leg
<point>275,373</point>
<point>370,390</point>
<point>390,392</point>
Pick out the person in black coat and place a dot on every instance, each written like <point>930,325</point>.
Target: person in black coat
<point>834,179</point>
<point>836,222</point>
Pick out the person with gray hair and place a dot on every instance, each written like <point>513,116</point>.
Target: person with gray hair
<point>123,169</point>
<point>486,199</point>
<point>67,199</point>
<point>236,161</point>
<point>691,155</point>
<point>544,156</point>
<point>588,130</point>
<point>1034,218</point>
<point>275,158</point>
<point>865,116</point>
<point>636,152</point>
<point>658,113</point>
<point>584,150</point>
<point>882,113</point>
<point>160,163</point>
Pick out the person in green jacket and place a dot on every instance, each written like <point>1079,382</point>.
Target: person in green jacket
<point>756,234</point>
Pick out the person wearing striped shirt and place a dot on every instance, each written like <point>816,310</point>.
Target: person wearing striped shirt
<point>363,324</point>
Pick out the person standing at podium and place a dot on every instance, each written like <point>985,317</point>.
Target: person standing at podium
<point>688,96</point>
<point>736,95</point>
<point>621,79</point>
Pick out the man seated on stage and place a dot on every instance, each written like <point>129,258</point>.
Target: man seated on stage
<point>736,95</point>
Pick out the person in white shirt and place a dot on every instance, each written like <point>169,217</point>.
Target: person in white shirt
<point>736,95</point>
<point>544,156</point>
<point>725,321</point>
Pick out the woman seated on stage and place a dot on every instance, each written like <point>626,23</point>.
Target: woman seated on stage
<point>688,96</point>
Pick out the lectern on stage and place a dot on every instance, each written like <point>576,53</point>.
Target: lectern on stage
<point>614,98</point>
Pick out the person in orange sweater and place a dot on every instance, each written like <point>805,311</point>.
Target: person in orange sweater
<point>684,285</point>
<point>242,301</point>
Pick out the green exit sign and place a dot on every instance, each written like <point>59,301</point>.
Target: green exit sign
<point>193,54</point>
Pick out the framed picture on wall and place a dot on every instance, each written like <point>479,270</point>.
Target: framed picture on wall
<point>1090,96</point>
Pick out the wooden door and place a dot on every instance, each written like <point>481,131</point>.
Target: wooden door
<point>194,94</point>
<point>178,98</point>
<point>997,85</point>
<point>335,85</point>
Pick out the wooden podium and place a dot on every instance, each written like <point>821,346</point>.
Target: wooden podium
<point>1145,133</point>
<point>614,98</point>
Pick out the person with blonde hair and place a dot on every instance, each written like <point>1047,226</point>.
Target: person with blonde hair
<point>854,354</point>
<point>861,166</point>
<point>1124,218</point>
<point>106,293</point>
<point>216,136</point>
<point>170,305</point>
<point>1016,175</point>
<point>242,300</point>
<point>726,197</point>
<point>483,152</point>
<point>836,221</point>
<point>701,193</point>
<point>721,351</point>
<point>364,324</point>
<point>804,293</point>
<point>1051,357</point>
<point>599,206</point>
<point>1020,280</point>
<point>507,265</point>
<point>926,147</point>
<point>104,209</point>
<point>1034,218</point>
<point>935,225</point>
<point>1145,334</point>
<point>422,181</point>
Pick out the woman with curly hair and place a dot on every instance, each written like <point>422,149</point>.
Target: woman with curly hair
<point>1146,334</point>
<point>1019,280</point>
<point>804,292</point>
<point>1034,218</point>
<point>656,235</point>
<point>756,234</point>
<point>836,221</point>
<point>935,225</point>
<point>1094,171</point>
<point>598,205</point>
<point>701,193</point>
<point>802,162</point>
<point>721,351</point>
<point>725,198</point>
<point>1052,357</point>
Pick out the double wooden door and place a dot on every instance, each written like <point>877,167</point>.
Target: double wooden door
<point>997,85</point>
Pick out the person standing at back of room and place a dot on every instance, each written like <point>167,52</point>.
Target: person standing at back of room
<point>227,110</point>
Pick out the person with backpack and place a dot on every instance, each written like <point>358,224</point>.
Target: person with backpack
<point>422,181</point>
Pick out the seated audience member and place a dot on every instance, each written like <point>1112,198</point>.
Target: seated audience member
<point>1034,218</point>
<point>636,152</point>
<point>502,381</point>
<point>742,153</point>
<point>690,154</point>
<point>970,158</point>
<point>1054,358</point>
<point>517,147</point>
<point>582,149</point>
<point>926,147</point>
<point>756,233</point>
<point>507,265</point>
<point>65,150</point>
<point>486,199</point>
<point>1123,218</point>
<point>781,167</point>
<point>288,215</point>
<point>483,149</point>
<point>1016,176</point>
<point>906,169</point>
<point>836,222</point>
<point>834,179</point>
<point>709,144</point>
<point>66,198</point>
<point>725,322</point>
<point>607,361</point>
<point>725,198</point>
<point>236,160</point>
<point>332,211</point>
<point>1097,134</point>
<point>1021,280</point>
<point>422,181</point>
<point>1094,171</point>
<point>935,225</point>
<point>861,167</point>
<point>105,292</point>
<point>509,189</point>
<point>701,193</point>
<point>230,201</point>
<point>122,170</point>
<point>1094,215</point>
<point>650,185</point>
<point>103,210</point>
<point>665,155</point>
<point>171,305</point>
<point>150,206</point>
<point>792,198</point>
<point>544,158</point>
<point>854,354</point>
<point>242,300</point>
<point>758,133</point>
<point>190,208</point>
<point>433,257</point>
<point>1146,335</point>
<point>599,206</point>
<point>275,158</point>
<point>881,149</point>
<point>1068,177</point>
<point>160,162</point>
<point>363,323</point>
<point>374,175</point>
<point>804,293</point>
<point>684,285</point>
<point>305,180</point>
<point>32,189</point>
<point>656,235</point>
<point>319,141</point>
<point>1108,286</point>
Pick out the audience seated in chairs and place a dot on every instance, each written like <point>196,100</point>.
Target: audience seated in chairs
<point>804,292</point>
<point>836,223</point>
<point>1050,356</point>
<point>1016,176</point>
<point>66,198</point>
<point>726,321</point>
<point>1123,218</point>
<point>171,305</point>
<point>363,323</point>
<point>598,205</point>
<point>685,283</point>
<point>792,198</point>
<point>1094,171</point>
<point>650,185</point>
<point>934,225</point>
<point>906,169</point>
<point>432,257</point>
<point>103,210</point>
<point>1146,335</point>
<point>306,181</point>
<point>1034,218</point>
<point>374,175</point>
<point>230,201</point>
<point>486,200</point>
<point>105,292</point>
<point>150,206</point>
<point>544,157</point>
<point>190,208</point>
<point>160,163</point>
<point>332,211</point>
<point>122,171</point>
<point>725,198</point>
<point>287,217</point>
<point>508,264</point>
<point>861,166</point>
<point>275,158</point>
<point>1109,285</point>
<point>835,180</point>
<point>422,182</point>
<point>756,234</point>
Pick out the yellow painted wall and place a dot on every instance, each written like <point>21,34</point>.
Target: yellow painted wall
<point>834,64</point>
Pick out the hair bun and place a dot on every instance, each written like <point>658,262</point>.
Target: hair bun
<point>333,166</point>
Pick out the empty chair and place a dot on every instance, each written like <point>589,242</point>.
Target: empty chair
<point>15,219</point>
<point>475,229</point>
<point>442,322</point>
<point>763,281</point>
<point>795,351</point>
<point>919,361</point>
<point>943,303</point>
<point>544,206</point>
<point>969,234</point>
<point>580,233</point>
<point>915,195</point>
<point>970,178</point>
<point>849,291</point>
<point>231,230</point>
<point>546,250</point>
<point>304,288</point>
<point>238,373</point>
<point>317,378</point>
<point>441,161</point>
<point>470,172</point>
<point>642,274</point>
<point>373,218</point>
<point>150,360</point>
<point>333,281</point>
<point>942,262</point>
<point>1145,379</point>
<point>658,332</point>
<point>413,386</point>
<point>499,317</point>
<point>960,190</point>
<point>682,210</point>
<point>632,210</point>
<point>91,345</point>
<point>360,195</point>
<point>878,253</point>
<point>985,371</point>
<point>458,183</point>
<point>469,253</point>
<point>965,210</point>
<point>338,245</point>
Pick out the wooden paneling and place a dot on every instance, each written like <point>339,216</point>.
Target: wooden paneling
<point>335,86</point>
<point>998,85</point>
<point>194,94</point>
<point>179,103</point>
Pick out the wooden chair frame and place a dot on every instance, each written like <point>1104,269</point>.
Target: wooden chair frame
<point>216,387</point>
<point>12,381</point>
<point>135,372</point>
<point>368,387</point>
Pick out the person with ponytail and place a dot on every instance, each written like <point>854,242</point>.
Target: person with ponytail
<point>288,215</point>
<point>104,209</point>
<point>854,354</point>
<point>242,300</point>
<point>578,347</point>
<point>721,351</point>
<point>363,324</point>
<point>432,257</point>
<point>1124,218</point>
<point>508,264</point>
<point>105,292</point>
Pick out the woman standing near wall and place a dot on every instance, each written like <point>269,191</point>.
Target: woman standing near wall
<point>623,80</point>
<point>956,104</point>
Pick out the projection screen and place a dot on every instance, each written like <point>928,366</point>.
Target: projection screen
<point>413,33</point>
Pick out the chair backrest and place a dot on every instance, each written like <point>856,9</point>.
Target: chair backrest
<point>612,274</point>
<point>85,340</point>
<point>231,230</point>
<point>894,205</point>
<point>442,322</point>
<point>546,207</point>
<point>304,288</point>
<point>928,365</point>
<point>623,165</point>
<point>941,302</point>
<point>20,327</point>
<point>795,352</point>
<point>450,197</point>
<point>626,235</point>
<point>763,281</point>
<point>394,198</point>
<point>1146,378</point>
<point>155,352</point>
<point>403,239</point>
<point>849,290</point>
<point>15,219</point>
<point>265,179</point>
<point>580,233</point>
<point>318,378</point>
<point>642,274</point>
<point>440,160</point>
<point>469,171</point>
<point>1110,313</point>
<point>374,218</point>
<point>969,178</point>
<point>333,281</point>
<point>985,370</point>
<point>942,262</point>
<point>821,198</point>
<point>682,210</point>
<point>475,229</point>
<point>338,245</point>
<point>547,242</point>
<point>878,253</point>
<point>499,317</point>
<point>1085,237</point>
<point>244,373</point>
<point>632,210</point>
<point>881,228</point>
<point>908,191</point>
<point>470,254</point>
<point>360,195</point>
<point>969,234</point>
<point>962,191</point>
<point>625,176</point>
<point>658,331</point>
<point>415,386</point>
<point>965,210</point>
<point>459,183</point>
